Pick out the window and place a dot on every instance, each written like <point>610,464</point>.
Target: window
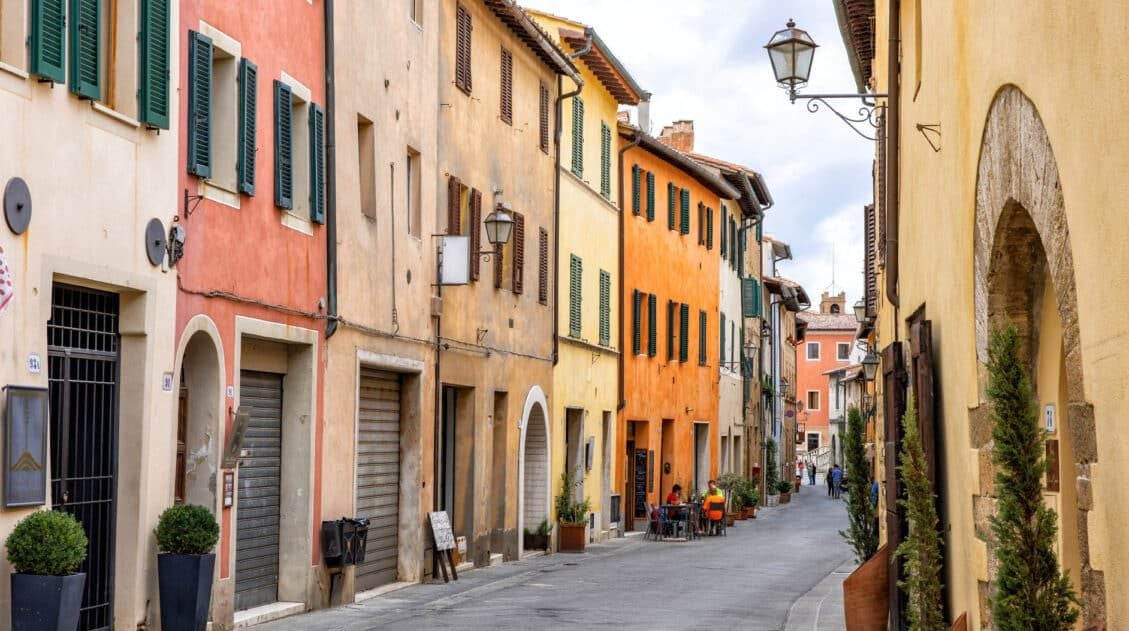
<point>517,244</point>
<point>636,322</point>
<point>844,351</point>
<point>834,309</point>
<point>463,28</point>
<point>703,336</point>
<point>813,441</point>
<point>225,108</point>
<point>299,152</point>
<point>507,87</point>
<point>813,400</point>
<point>724,232</point>
<point>650,196</point>
<point>544,116</point>
<point>709,228</point>
<point>721,332</point>
<point>13,18</point>
<point>606,308</point>
<point>813,350</point>
<point>605,160</point>
<point>636,175</point>
<point>672,195</point>
<point>685,211</point>
<point>366,164</point>
<point>652,325</point>
<point>412,190</point>
<point>578,136</point>
<point>701,223</point>
<point>684,333</point>
<point>543,267</point>
<point>733,343</point>
<point>575,268</point>
<point>670,317</point>
<point>751,300</point>
<point>415,11</point>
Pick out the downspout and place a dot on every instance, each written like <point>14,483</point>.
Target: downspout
<point>622,225</point>
<point>561,96</point>
<point>894,66</point>
<point>330,178</point>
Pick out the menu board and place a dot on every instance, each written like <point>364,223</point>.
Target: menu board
<point>640,482</point>
<point>441,529</point>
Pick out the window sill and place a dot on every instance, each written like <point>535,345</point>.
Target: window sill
<point>419,27</point>
<point>297,222</point>
<point>12,70</point>
<point>115,115</point>
<point>221,194</point>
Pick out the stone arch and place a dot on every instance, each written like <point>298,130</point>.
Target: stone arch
<point>200,373</point>
<point>1021,239</point>
<point>534,464</point>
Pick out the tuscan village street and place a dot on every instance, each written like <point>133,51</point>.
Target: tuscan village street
<point>779,571</point>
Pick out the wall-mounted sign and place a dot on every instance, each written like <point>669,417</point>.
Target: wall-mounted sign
<point>34,363</point>
<point>1049,418</point>
<point>166,382</point>
<point>7,292</point>
<point>231,392</point>
<point>228,488</point>
<point>25,446</point>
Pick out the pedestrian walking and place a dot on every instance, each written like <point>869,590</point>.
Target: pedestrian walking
<point>836,481</point>
<point>830,482</point>
<point>811,473</point>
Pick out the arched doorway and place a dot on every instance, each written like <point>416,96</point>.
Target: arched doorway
<point>534,467</point>
<point>199,410</point>
<point>1024,276</point>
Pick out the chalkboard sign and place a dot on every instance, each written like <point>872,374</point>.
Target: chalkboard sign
<point>25,442</point>
<point>640,482</point>
<point>441,530</point>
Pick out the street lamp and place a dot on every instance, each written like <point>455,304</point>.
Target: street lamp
<point>499,224</point>
<point>750,350</point>
<point>791,50</point>
<point>870,365</point>
<point>860,311</point>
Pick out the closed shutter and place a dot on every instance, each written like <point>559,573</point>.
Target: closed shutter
<point>463,28</point>
<point>454,205</point>
<point>684,333</point>
<point>701,223</point>
<point>283,146</point>
<point>317,163</point>
<point>605,308</point>
<point>724,232</point>
<point>703,337</point>
<point>153,93</point>
<point>636,322</point>
<point>709,228</point>
<point>894,399</point>
<point>671,194</point>
<point>635,176</point>
<point>248,101</point>
<point>740,249</point>
<point>670,316</point>
<point>650,196</point>
<point>880,194</point>
<point>870,261</point>
<point>749,298</point>
<point>519,253</point>
<point>543,267</point>
<point>199,120</point>
<point>474,221</point>
<point>575,270</point>
<point>652,325</point>
<point>86,49</point>
<point>605,160</point>
<point>721,356</point>
<point>577,136</point>
<point>921,357</point>
<point>48,40</point>
<point>732,342</point>
<point>544,118</point>
<point>378,474</point>
<point>758,298</point>
<point>507,87</point>
<point>685,211</point>
<point>260,474</point>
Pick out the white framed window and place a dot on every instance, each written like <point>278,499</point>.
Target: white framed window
<point>415,11</point>
<point>414,209</point>
<point>843,351</point>
<point>813,400</point>
<point>813,351</point>
<point>813,440</point>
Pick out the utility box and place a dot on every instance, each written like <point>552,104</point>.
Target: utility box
<point>343,541</point>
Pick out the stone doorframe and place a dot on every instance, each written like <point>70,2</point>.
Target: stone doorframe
<point>1020,226</point>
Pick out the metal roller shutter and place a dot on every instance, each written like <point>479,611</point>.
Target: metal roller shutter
<point>378,474</point>
<point>260,470</point>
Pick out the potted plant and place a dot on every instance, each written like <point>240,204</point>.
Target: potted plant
<point>784,487</point>
<point>736,503</point>
<point>750,499</point>
<point>45,549</point>
<point>771,473</point>
<point>866,589</point>
<point>572,515</point>
<point>538,539</point>
<point>186,535</point>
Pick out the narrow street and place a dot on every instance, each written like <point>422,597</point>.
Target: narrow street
<point>765,573</point>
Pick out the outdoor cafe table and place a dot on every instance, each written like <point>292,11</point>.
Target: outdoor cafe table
<point>682,515</point>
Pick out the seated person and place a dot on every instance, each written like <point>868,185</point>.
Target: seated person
<point>675,496</point>
<point>713,504</point>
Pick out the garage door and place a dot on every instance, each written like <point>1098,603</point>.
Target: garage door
<point>378,474</point>
<point>260,469</point>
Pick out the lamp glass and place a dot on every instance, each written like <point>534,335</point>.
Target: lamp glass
<point>791,51</point>
<point>750,350</point>
<point>499,224</point>
<point>870,366</point>
<point>860,311</point>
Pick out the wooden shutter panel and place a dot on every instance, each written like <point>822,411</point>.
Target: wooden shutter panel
<point>748,297</point>
<point>543,268</point>
<point>605,160</point>
<point>921,356</point>
<point>880,197</point>
<point>701,223</point>
<point>635,174</point>
<point>709,228</point>
<point>48,39</point>
<point>702,338</point>
<point>724,232</point>
<point>740,249</point>
<point>454,206</point>
<point>652,325</point>
<point>199,119</point>
<point>670,195</point>
<point>605,308</point>
<point>685,211</point>
<point>248,102</point>
<point>578,136</point>
<point>575,271</point>
<point>519,253</point>
<point>463,28</point>
<point>758,298</point>
<point>636,322</point>
<point>544,118</point>
<point>721,357</point>
<point>894,399</point>
<point>684,333</point>
<point>507,87</point>
<point>317,163</point>
<point>86,49</point>
<point>474,228</point>
<point>283,146</point>
<point>153,93</point>
<point>650,200</point>
<point>870,260</point>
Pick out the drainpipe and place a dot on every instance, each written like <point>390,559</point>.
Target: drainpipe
<point>622,224</point>
<point>330,179</point>
<point>894,67</point>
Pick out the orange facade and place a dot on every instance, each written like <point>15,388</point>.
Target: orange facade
<point>668,420</point>
<point>820,352</point>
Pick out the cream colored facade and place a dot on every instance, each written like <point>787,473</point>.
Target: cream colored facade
<point>96,177</point>
<point>1020,205</point>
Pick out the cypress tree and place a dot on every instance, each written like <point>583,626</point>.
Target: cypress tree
<point>863,532</point>
<point>922,546</point>
<point>771,473</point>
<point>1031,592</point>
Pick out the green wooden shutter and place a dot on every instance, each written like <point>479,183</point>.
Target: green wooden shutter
<point>670,315</point>
<point>702,338</point>
<point>650,196</point>
<point>317,163</point>
<point>732,342</point>
<point>758,298</point>
<point>670,195</point>
<point>577,136</point>
<point>86,49</point>
<point>199,119</point>
<point>283,146</point>
<point>635,172</point>
<point>605,160</point>
<point>652,325</point>
<point>153,93</point>
<point>748,297</point>
<point>605,308</point>
<point>685,211</point>
<point>760,224</point>
<point>684,333</point>
<point>721,357</point>
<point>724,232</point>
<point>248,101</point>
<point>575,275</point>
<point>709,228</point>
<point>48,39</point>
<point>636,322</point>
<point>740,249</point>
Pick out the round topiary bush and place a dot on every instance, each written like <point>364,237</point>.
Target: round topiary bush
<point>187,529</point>
<point>47,543</point>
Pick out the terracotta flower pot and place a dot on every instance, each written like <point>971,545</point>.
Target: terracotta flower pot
<point>750,512</point>
<point>866,594</point>
<point>785,498</point>
<point>573,537</point>
<point>730,519</point>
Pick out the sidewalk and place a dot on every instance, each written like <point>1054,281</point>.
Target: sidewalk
<point>821,609</point>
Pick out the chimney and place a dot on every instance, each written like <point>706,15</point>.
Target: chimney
<point>680,136</point>
<point>833,304</point>
<point>644,113</point>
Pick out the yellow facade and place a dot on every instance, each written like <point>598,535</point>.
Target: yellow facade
<point>1015,215</point>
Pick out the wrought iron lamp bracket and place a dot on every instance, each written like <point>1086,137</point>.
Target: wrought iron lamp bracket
<point>868,113</point>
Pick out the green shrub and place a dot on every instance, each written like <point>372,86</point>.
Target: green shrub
<point>863,531</point>
<point>187,529</point>
<point>783,486</point>
<point>47,543</point>
<point>544,528</point>
<point>771,472</point>
<point>570,511</point>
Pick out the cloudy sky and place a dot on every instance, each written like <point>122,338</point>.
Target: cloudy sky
<point>705,61</point>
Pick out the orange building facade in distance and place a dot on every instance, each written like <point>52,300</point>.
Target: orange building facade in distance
<point>828,345</point>
<point>669,331</point>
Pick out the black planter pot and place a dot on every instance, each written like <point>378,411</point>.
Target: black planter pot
<point>46,603</point>
<point>536,542</point>
<point>185,582</point>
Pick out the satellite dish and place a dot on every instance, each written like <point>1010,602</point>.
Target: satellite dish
<point>17,205</point>
<point>155,243</point>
